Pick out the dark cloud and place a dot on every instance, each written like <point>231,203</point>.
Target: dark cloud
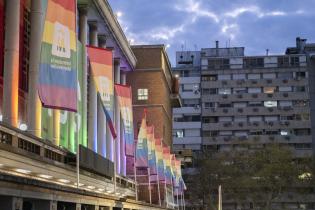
<point>255,24</point>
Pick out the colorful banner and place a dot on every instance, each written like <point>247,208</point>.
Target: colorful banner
<point>124,99</point>
<point>151,151</point>
<point>101,61</point>
<point>142,146</point>
<point>167,166</point>
<point>57,73</point>
<point>71,124</point>
<point>160,161</point>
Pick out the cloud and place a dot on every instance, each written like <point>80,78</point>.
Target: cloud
<point>254,10</point>
<point>230,30</point>
<point>195,9</point>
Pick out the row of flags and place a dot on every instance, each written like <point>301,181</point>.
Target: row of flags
<point>60,87</point>
<point>151,153</point>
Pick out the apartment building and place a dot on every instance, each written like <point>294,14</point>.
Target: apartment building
<point>256,99</point>
<point>187,119</point>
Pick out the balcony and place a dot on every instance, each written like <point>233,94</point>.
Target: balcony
<point>256,125</point>
<point>187,110</point>
<point>254,111</point>
<point>183,125</point>
<point>187,140</point>
<point>259,139</point>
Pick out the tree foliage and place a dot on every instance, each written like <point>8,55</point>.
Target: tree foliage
<point>258,177</point>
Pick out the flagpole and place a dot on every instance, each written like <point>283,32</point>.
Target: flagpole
<point>158,185</point>
<point>172,186</point>
<point>177,198</point>
<point>165,193</point>
<point>135,173</point>
<point>78,142</point>
<point>149,185</point>
<point>184,199</point>
<point>220,198</point>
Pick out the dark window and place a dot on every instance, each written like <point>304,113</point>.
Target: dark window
<point>209,77</point>
<point>283,61</point>
<point>294,61</point>
<point>253,62</point>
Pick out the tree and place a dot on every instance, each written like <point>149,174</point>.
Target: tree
<point>258,177</point>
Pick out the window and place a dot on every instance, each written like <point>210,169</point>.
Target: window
<point>253,62</point>
<point>210,119</point>
<point>284,132</point>
<point>303,146</point>
<point>239,104</point>
<point>211,91</point>
<point>178,133</point>
<point>255,119</point>
<point>209,78</point>
<point>271,118</point>
<point>142,94</point>
<point>294,61</point>
<point>300,103</point>
<point>208,105</point>
<point>283,61</point>
<point>302,132</point>
<point>269,75</point>
<point>286,117</point>
<point>285,103</point>
<point>269,89</point>
<point>239,90</point>
<point>224,77</point>
<point>240,133</point>
<point>225,105</point>
<point>300,89</point>
<point>253,76</point>
<point>285,75</point>
<point>225,133</point>
<point>272,132</point>
<point>270,103</point>
<point>300,75</point>
<point>285,89</point>
<point>254,90</point>
<point>254,103</point>
<point>239,76</point>
<point>240,119</point>
<point>224,91</point>
<point>225,119</point>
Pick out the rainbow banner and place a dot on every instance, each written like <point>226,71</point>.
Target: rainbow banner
<point>58,66</point>
<point>124,99</point>
<point>151,151</point>
<point>142,145</point>
<point>167,166</point>
<point>101,61</point>
<point>160,161</point>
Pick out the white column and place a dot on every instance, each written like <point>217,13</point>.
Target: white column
<point>17,203</point>
<point>117,118</point>
<point>122,142</point>
<point>83,39</point>
<point>11,62</point>
<point>101,119</point>
<point>92,104</point>
<point>34,104</point>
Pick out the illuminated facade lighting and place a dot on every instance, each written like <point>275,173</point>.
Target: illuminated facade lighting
<point>64,181</point>
<point>44,176</point>
<point>23,171</point>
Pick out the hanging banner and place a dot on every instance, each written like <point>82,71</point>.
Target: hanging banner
<point>57,73</point>
<point>124,99</point>
<point>151,151</point>
<point>101,61</point>
<point>142,145</point>
<point>167,166</point>
<point>160,161</point>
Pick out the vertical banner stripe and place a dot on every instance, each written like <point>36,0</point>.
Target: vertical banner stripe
<point>57,73</point>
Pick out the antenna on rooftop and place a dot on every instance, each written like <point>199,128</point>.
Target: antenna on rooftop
<point>267,52</point>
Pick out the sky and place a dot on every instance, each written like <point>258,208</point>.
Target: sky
<point>256,25</point>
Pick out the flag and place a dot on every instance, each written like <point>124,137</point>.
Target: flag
<point>160,161</point>
<point>124,99</point>
<point>58,61</point>
<point>142,145</point>
<point>167,160</point>
<point>151,151</point>
<point>101,61</point>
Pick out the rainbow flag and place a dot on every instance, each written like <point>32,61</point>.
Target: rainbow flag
<point>151,151</point>
<point>58,66</point>
<point>142,145</point>
<point>125,102</point>
<point>160,161</point>
<point>167,161</point>
<point>101,61</point>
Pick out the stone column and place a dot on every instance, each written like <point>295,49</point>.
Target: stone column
<point>34,104</point>
<point>92,104</point>
<point>122,142</point>
<point>83,39</point>
<point>11,62</point>
<point>53,205</point>
<point>117,118</point>
<point>101,119</point>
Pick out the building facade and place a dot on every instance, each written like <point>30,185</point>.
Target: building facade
<point>38,166</point>
<point>154,88</point>
<point>244,103</point>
